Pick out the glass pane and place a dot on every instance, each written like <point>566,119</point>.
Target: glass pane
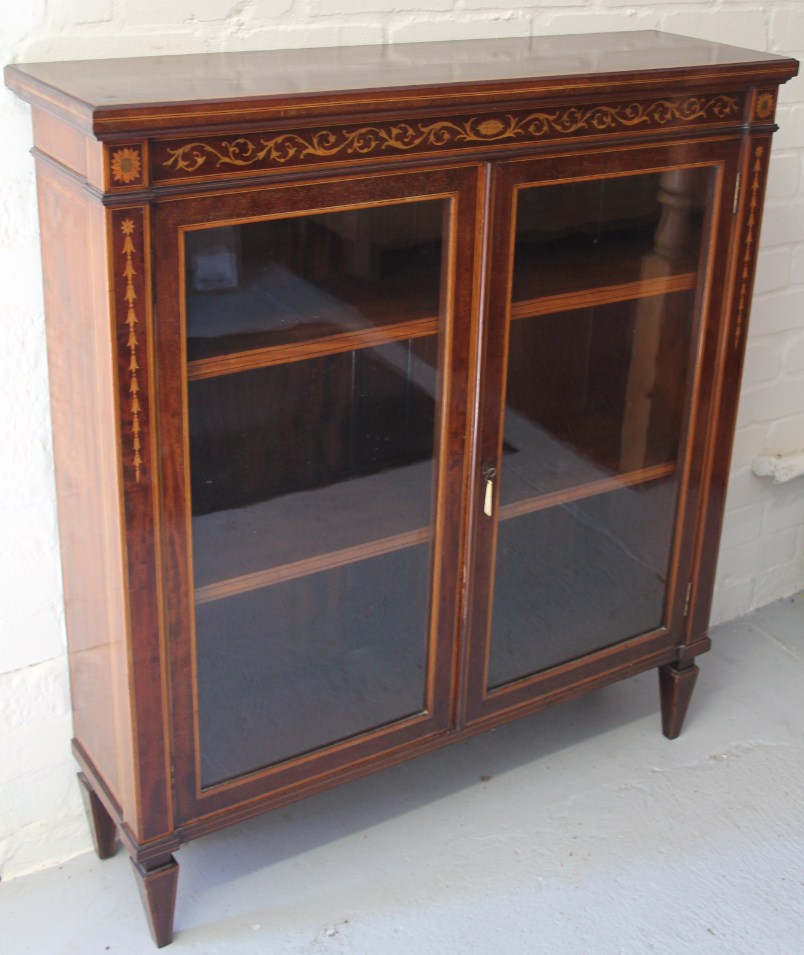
<point>312,481</point>
<point>279,281</point>
<point>600,352</point>
<point>603,232</point>
<point>285,669</point>
<point>576,577</point>
<point>310,457</point>
<point>594,393</point>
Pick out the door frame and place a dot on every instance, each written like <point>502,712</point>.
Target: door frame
<point>479,703</point>
<point>459,184</point>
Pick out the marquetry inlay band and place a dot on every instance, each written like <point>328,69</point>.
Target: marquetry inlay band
<point>127,227</point>
<point>218,155</point>
<point>751,223</point>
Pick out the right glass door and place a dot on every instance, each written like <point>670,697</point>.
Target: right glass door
<point>593,340</point>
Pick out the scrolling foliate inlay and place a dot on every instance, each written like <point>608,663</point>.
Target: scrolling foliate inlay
<point>204,157</point>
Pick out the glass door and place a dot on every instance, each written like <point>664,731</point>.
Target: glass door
<point>324,387</point>
<point>591,356</point>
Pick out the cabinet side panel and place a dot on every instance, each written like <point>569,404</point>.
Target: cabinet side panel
<point>80,359</point>
<point>69,146</point>
<point>731,357</point>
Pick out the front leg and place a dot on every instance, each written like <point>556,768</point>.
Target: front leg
<point>157,882</point>
<point>675,691</point>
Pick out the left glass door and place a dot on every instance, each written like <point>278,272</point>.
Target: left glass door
<point>320,385</point>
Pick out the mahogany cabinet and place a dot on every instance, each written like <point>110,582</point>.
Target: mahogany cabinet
<point>393,393</point>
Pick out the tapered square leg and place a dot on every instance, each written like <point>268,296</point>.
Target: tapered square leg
<point>675,691</point>
<point>158,892</point>
<point>104,830</point>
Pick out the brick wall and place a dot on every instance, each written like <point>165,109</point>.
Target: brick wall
<point>762,556</point>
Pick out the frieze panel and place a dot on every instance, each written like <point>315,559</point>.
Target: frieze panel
<point>233,155</point>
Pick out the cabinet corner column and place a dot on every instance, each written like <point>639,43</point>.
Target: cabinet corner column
<point>129,265</point>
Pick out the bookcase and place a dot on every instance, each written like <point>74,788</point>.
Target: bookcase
<point>393,394</point>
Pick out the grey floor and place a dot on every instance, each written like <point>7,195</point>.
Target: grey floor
<point>580,830</point>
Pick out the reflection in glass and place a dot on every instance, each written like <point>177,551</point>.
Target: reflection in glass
<point>288,668</point>
<point>584,235</point>
<point>278,281</point>
<point>573,414</point>
<point>312,478</point>
<point>601,332</point>
<point>309,456</point>
<point>576,577</point>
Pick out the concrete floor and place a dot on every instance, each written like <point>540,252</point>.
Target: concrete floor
<point>580,830</point>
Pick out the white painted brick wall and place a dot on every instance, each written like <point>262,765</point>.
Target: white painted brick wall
<point>762,555</point>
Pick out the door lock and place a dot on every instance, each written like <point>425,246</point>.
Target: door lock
<point>489,472</point>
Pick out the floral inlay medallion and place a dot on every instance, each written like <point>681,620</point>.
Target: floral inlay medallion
<point>126,165</point>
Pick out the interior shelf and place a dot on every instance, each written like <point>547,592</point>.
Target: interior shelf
<point>284,318</point>
<point>277,315</point>
<point>605,546</point>
<point>371,337</point>
<point>310,565</point>
<point>550,263</point>
<point>293,531</point>
<point>334,662</point>
<point>604,295</point>
<point>553,499</point>
<point>302,533</point>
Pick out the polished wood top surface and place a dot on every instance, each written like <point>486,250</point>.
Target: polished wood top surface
<point>183,90</point>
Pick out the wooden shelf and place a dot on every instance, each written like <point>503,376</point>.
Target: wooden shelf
<point>567,496</point>
<point>604,295</point>
<point>277,315</point>
<point>372,337</point>
<point>309,532</point>
<point>245,539</point>
<point>310,565</point>
<point>599,547</point>
<point>305,532</point>
<point>574,263</point>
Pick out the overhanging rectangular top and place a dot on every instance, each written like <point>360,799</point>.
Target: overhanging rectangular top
<point>184,91</point>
